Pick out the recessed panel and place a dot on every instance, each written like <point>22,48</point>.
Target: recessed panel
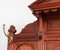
<point>54,24</point>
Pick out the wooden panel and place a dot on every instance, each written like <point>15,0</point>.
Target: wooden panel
<point>54,23</point>
<point>53,45</point>
<point>52,37</point>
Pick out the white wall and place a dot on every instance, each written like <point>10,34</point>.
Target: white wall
<point>14,12</point>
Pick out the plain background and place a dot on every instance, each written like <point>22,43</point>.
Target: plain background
<point>14,12</point>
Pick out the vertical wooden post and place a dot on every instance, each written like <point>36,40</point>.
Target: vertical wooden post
<point>40,24</point>
<point>40,31</point>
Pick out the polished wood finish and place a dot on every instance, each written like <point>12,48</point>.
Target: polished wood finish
<point>43,34</point>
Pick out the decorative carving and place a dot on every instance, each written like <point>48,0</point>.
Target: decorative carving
<point>25,46</point>
<point>10,36</point>
<point>11,31</point>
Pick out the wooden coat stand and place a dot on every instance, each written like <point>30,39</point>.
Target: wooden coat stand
<point>43,34</point>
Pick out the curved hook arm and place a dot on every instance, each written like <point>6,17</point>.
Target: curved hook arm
<point>4,30</point>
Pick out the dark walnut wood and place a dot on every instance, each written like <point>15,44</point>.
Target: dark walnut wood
<point>43,34</point>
